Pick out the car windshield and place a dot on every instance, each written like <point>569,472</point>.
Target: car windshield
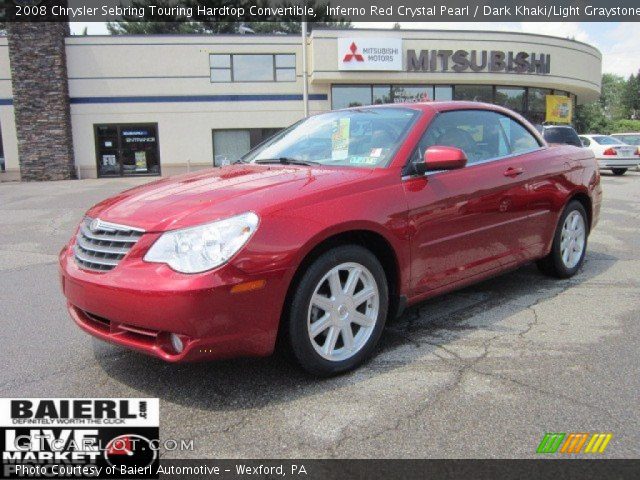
<point>606,140</point>
<point>629,139</point>
<point>357,138</point>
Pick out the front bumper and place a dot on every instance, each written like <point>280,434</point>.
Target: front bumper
<point>138,304</point>
<point>625,162</point>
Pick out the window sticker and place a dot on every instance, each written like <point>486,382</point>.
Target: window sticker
<point>376,152</point>
<point>340,140</point>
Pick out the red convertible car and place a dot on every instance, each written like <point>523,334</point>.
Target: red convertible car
<point>319,235</point>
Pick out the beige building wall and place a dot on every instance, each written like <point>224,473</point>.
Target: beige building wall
<point>7,119</point>
<point>166,66</point>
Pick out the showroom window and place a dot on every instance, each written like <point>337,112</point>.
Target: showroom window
<point>127,149</point>
<point>473,93</point>
<point>344,96</point>
<point>262,67</point>
<point>537,104</point>
<point>231,144</point>
<point>511,97</point>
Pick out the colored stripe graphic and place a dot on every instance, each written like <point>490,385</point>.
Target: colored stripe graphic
<point>550,442</point>
<point>574,442</point>
<point>598,443</point>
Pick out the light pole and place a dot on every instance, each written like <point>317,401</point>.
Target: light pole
<point>305,86</point>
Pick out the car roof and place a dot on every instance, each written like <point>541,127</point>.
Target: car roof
<point>441,106</point>
<point>624,133</point>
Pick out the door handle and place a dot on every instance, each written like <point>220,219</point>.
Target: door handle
<point>513,172</point>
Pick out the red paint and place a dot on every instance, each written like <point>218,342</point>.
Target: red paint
<point>444,230</point>
<point>444,158</point>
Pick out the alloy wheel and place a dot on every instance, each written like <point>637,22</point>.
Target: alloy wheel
<point>572,240</point>
<point>343,311</point>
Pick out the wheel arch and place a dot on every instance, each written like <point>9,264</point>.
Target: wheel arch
<point>368,238</point>
<point>586,202</point>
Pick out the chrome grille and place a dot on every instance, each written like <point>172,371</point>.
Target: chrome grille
<point>101,245</point>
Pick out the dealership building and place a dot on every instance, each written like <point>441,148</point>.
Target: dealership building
<point>109,106</point>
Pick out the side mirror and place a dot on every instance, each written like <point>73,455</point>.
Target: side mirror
<point>440,157</point>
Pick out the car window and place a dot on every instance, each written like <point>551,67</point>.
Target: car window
<point>476,132</point>
<point>519,138</point>
<point>628,139</point>
<point>606,140</point>
<point>566,135</point>
<point>585,141</point>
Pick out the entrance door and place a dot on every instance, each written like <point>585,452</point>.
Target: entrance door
<point>127,150</point>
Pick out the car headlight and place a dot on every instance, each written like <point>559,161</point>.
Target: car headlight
<point>201,248</point>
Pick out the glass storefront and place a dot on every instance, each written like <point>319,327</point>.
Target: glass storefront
<point>528,101</point>
<point>127,150</point>
<point>344,96</point>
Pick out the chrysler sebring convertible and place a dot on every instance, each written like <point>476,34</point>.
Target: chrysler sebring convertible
<point>318,236</point>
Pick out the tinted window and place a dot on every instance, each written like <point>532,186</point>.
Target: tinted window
<point>520,139</point>
<point>566,135</point>
<point>606,140</point>
<point>476,132</point>
<point>585,141</point>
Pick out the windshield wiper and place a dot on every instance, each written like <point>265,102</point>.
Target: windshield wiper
<point>287,161</point>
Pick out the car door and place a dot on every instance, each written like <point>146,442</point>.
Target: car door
<point>463,219</point>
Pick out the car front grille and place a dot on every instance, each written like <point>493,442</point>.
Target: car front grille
<point>101,245</point>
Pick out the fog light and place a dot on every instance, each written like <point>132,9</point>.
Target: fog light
<point>176,343</point>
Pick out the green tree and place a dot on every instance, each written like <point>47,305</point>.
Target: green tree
<point>631,97</point>
<point>611,96</point>
<point>206,25</point>
<point>590,118</point>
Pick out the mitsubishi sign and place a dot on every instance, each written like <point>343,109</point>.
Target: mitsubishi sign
<point>370,54</point>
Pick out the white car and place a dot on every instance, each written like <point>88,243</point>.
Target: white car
<point>611,153</point>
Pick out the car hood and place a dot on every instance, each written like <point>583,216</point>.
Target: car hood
<point>192,199</point>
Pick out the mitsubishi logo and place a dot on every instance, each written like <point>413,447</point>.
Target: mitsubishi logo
<point>350,56</point>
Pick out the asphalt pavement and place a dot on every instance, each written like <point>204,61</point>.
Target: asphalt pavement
<point>483,372</point>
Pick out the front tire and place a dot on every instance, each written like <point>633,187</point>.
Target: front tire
<point>338,311</point>
<point>619,171</point>
<point>569,243</point>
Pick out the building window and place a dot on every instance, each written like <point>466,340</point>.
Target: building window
<point>411,93</point>
<point>443,92</point>
<point>127,149</point>
<point>231,145</point>
<point>473,93</point>
<point>537,104</point>
<point>343,96</point>
<point>511,97</point>
<point>252,68</point>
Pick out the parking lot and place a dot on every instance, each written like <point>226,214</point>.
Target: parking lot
<point>482,372</point>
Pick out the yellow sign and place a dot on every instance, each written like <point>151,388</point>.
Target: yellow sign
<point>559,109</point>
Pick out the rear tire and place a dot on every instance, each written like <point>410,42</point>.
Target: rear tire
<point>338,311</point>
<point>619,171</point>
<point>569,243</point>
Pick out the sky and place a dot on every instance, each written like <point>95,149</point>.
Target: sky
<point>619,42</point>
